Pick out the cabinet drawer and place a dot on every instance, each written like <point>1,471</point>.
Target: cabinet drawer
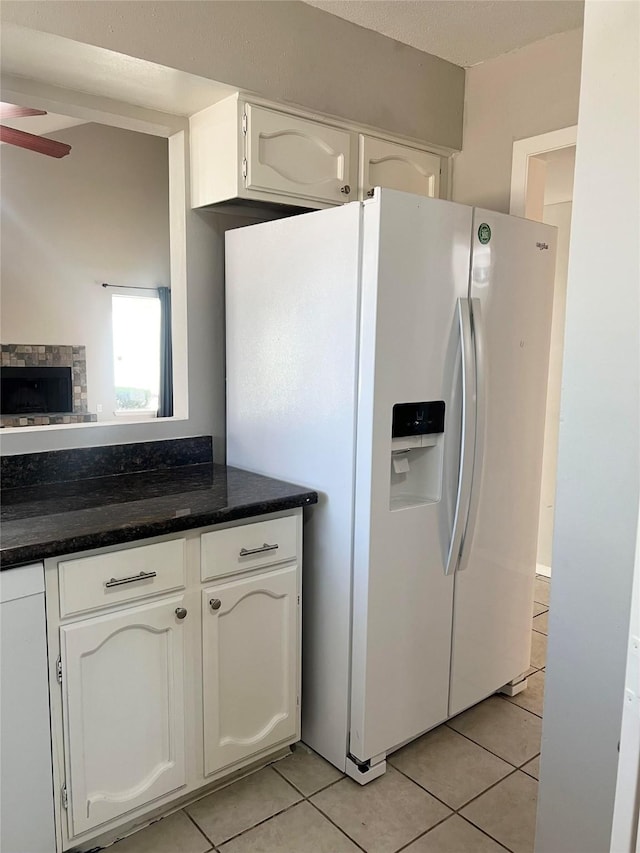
<point>92,582</point>
<point>248,546</point>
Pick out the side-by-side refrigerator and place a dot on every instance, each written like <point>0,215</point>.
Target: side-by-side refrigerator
<point>392,355</point>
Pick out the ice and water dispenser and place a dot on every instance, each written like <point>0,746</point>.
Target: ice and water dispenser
<point>417,440</point>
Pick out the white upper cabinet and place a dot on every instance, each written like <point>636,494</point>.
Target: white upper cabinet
<point>397,167</point>
<point>123,686</point>
<point>250,666</point>
<point>295,157</point>
<point>249,152</point>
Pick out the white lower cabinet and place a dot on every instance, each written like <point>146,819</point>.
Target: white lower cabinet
<point>250,667</point>
<point>123,700</point>
<point>140,718</point>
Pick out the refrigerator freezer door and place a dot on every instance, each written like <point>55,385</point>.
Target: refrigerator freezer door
<point>415,267</point>
<point>292,291</point>
<point>511,294</point>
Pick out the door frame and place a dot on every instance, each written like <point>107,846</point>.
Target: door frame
<point>528,178</point>
<point>526,149</point>
<point>625,834</point>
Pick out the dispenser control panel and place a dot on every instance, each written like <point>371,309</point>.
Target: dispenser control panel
<point>417,418</point>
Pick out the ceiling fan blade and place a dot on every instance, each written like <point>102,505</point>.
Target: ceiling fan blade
<point>14,111</point>
<point>31,142</point>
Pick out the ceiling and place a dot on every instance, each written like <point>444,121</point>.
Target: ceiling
<point>464,32</point>
<point>61,62</point>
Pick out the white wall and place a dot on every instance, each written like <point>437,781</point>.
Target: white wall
<point>198,310</point>
<point>524,93</point>
<point>598,471</point>
<point>100,214</point>
<point>287,51</point>
<point>558,214</point>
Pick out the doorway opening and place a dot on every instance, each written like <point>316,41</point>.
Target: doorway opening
<point>542,189</point>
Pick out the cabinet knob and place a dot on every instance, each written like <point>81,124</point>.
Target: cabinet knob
<point>346,189</point>
<point>215,603</point>
<point>370,193</point>
<point>181,612</point>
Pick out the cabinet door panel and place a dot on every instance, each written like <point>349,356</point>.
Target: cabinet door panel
<point>250,647</point>
<point>293,156</point>
<point>124,707</point>
<point>397,167</point>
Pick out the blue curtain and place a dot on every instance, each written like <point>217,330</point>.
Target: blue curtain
<point>165,402</point>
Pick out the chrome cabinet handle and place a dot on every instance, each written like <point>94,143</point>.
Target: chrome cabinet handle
<point>370,193</point>
<point>181,612</point>
<point>247,552</point>
<point>346,189</point>
<point>215,603</point>
<point>143,576</point>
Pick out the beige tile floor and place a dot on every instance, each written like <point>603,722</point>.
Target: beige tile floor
<point>469,786</point>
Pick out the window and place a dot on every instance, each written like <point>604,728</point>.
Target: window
<point>136,352</point>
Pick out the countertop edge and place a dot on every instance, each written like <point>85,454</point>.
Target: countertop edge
<point>21,555</point>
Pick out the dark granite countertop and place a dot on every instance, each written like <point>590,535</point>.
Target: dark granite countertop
<point>50,519</point>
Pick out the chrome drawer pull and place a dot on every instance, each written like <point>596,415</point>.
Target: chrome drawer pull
<point>244,552</point>
<point>143,576</point>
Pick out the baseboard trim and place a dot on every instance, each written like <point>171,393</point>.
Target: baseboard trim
<point>543,570</point>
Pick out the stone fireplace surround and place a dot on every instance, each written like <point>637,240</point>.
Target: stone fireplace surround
<point>49,355</point>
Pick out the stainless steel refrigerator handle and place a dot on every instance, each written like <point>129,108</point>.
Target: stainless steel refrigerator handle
<point>481,410</point>
<point>467,439</point>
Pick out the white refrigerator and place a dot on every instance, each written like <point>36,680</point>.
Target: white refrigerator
<point>392,355</point>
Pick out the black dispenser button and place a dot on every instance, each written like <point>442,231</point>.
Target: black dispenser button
<point>418,418</point>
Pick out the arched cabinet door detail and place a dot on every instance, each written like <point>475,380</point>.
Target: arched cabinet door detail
<point>397,167</point>
<point>250,667</point>
<point>123,707</point>
<point>295,156</point>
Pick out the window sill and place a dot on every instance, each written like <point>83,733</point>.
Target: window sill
<point>138,414</point>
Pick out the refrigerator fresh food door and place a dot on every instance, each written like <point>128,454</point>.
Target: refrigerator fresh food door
<point>415,268</point>
<point>511,292</point>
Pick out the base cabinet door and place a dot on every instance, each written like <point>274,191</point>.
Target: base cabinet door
<point>250,678</point>
<point>123,703</point>
<point>397,167</point>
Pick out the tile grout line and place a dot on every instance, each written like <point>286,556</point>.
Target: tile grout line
<point>484,832</point>
<point>511,702</point>
<point>510,763</point>
<point>202,833</point>
<point>313,793</point>
<point>260,822</point>
<point>333,823</point>
<point>486,749</point>
<point>453,810</point>
<point>426,790</point>
<point>533,713</point>
<point>422,834</point>
<point>486,790</point>
<point>303,798</point>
